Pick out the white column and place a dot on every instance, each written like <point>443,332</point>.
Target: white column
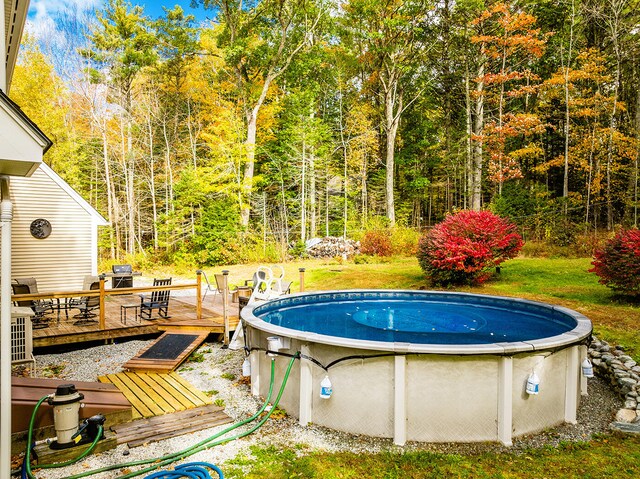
<point>583,353</point>
<point>400,401</point>
<point>3,54</point>
<point>505,400</point>
<point>254,358</point>
<point>571,385</point>
<point>306,388</point>
<point>6,217</point>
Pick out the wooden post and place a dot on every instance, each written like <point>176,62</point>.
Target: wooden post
<point>225,304</point>
<point>199,294</point>
<point>301,279</point>
<point>101,322</point>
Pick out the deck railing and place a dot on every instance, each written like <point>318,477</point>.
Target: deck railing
<point>104,292</point>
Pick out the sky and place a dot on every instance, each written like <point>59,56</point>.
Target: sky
<point>45,10</point>
<point>45,15</point>
<point>60,26</point>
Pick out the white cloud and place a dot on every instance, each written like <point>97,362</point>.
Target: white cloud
<point>45,16</point>
<point>60,27</point>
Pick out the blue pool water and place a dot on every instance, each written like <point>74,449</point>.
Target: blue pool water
<point>428,320</point>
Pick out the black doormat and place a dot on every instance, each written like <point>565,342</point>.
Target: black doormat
<point>169,347</point>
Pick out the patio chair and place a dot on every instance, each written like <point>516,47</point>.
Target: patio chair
<point>217,289</point>
<point>86,304</point>
<point>40,308</point>
<point>157,300</point>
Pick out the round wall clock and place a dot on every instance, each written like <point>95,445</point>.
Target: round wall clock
<point>40,228</point>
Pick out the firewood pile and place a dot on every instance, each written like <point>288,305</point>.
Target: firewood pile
<point>331,246</point>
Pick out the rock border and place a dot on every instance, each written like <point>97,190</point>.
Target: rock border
<point>623,374</point>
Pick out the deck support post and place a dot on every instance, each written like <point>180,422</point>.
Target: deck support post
<point>505,400</point>
<point>306,387</point>
<point>199,294</point>
<point>101,320</point>
<point>400,401</point>
<point>571,385</point>
<point>225,306</point>
<point>301,270</point>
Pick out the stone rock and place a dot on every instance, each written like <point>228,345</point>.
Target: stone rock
<point>626,385</point>
<point>595,354</point>
<point>630,404</point>
<point>630,364</point>
<point>605,348</point>
<point>607,358</point>
<point>636,369</point>
<point>626,415</point>
<point>622,374</point>
<point>596,362</point>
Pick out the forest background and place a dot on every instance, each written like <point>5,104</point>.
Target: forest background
<point>236,139</point>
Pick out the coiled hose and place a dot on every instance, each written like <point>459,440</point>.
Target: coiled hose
<point>192,470</point>
<point>207,443</point>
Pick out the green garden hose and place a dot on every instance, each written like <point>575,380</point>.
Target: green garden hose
<point>207,443</point>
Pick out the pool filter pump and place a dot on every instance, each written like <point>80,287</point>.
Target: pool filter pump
<point>66,402</point>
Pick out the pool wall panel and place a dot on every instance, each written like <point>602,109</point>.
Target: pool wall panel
<point>533,413</point>
<point>451,398</point>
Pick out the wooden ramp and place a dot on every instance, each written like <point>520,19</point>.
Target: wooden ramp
<point>144,431</point>
<point>153,394</point>
<point>167,352</point>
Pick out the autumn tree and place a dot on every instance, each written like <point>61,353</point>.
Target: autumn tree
<point>260,40</point>
<point>510,43</point>
<point>121,46</point>
<point>388,35</point>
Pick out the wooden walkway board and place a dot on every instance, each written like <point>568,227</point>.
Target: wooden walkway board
<point>156,394</point>
<point>143,431</point>
<point>139,363</point>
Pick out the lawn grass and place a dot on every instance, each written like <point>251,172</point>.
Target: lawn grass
<point>603,457</point>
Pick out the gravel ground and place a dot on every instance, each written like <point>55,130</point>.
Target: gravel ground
<point>595,413</point>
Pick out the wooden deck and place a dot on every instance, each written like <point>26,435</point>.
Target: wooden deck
<point>182,309</point>
<point>156,394</point>
<point>155,364</point>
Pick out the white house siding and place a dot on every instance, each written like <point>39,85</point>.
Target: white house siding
<point>60,261</point>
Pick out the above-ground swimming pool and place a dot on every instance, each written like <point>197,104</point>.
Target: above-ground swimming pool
<point>420,365</point>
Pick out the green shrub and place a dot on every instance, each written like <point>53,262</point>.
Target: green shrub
<point>376,243</point>
<point>404,241</point>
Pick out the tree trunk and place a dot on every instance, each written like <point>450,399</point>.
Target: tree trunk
<point>469,145</point>
<point>476,180</point>
<point>303,204</point>
<point>392,120</point>
<point>152,184</point>
<point>567,118</point>
<point>313,232</point>
<point>109,182</point>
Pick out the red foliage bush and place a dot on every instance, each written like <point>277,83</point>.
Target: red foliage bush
<point>465,246</point>
<point>376,243</point>
<point>618,263</point>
